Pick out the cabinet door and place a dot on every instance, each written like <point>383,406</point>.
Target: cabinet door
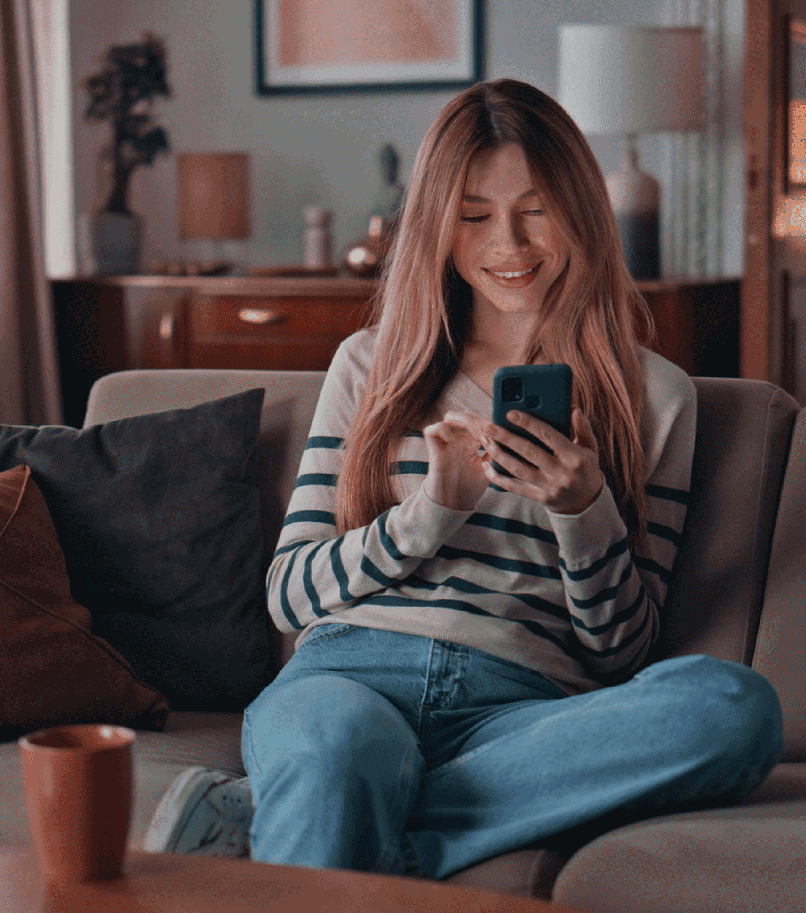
<point>156,325</point>
<point>285,334</point>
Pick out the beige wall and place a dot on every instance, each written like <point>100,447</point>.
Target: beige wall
<point>304,149</point>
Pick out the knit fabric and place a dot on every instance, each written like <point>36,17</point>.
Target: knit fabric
<point>560,594</point>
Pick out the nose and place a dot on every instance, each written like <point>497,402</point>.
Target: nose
<point>509,233</point>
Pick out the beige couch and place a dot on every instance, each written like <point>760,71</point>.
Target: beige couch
<point>738,592</point>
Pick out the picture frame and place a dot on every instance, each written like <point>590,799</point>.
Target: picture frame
<point>330,46</point>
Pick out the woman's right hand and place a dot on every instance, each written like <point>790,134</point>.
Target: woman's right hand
<point>456,478</point>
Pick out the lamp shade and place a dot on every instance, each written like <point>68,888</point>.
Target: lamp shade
<point>615,80</point>
<point>213,190</point>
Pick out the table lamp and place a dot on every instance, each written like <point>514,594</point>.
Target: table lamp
<point>213,202</point>
<point>627,81</point>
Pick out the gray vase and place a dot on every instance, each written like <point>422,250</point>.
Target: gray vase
<point>116,243</point>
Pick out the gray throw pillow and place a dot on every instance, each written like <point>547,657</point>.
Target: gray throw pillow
<point>158,517</point>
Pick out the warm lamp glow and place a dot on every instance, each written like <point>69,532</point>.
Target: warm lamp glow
<point>213,195</point>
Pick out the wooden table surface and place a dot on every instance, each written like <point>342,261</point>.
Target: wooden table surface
<point>161,883</point>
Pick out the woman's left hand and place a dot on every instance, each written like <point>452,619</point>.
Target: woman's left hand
<point>566,481</point>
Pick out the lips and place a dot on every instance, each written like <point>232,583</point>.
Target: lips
<point>513,276</point>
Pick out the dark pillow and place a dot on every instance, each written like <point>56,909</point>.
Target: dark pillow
<point>54,670</point>
<point>159,520</point>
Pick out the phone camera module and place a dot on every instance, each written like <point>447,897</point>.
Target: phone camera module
<point>512,389</point>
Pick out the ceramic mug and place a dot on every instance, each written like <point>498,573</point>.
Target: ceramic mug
<point>78,795</point>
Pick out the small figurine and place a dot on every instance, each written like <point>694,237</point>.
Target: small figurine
<point>366,257</point>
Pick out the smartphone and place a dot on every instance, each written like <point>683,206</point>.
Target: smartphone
<point>544,391</point>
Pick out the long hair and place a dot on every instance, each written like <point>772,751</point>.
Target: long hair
<point>593,317</point>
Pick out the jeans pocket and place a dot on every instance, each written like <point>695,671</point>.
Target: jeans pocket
<point>325,632</point>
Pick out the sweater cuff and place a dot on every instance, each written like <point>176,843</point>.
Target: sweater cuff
<point>422,526</point>
<point>585,537</point>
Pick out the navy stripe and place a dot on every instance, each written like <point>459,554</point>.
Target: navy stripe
<point>376,574</point>
<point>460,606</point>
<point>326,443</point>
<point>307,582</point>
<point>653,567</point>
<point>668,494</point>
<point>665,532</point>
<point>606,594</point>
<point>316,478</point>
<point>544,571</point>
<point>413,467</point>
<point>510,526</point>
<point>622,645</point>
<point>310,516</point>
<point>386,540</point>
<point>291,618</point>
<point>339,572</point>
<point>617,619</point>
<point>290,548</point>
<point>619,548</point>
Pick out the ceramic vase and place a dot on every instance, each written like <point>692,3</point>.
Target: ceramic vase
<point>116,243</point>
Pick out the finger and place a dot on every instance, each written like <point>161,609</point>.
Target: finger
<point>542,431</point>
<point>469,421</point>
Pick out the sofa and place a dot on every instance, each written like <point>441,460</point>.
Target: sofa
<point>738,592</point>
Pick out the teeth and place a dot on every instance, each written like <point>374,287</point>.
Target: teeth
<point>511,275</point>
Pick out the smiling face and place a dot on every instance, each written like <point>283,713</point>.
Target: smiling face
<point>505,246</point>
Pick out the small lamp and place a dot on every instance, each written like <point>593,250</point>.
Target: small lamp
<point>627,81</point>
<point>213,200</point>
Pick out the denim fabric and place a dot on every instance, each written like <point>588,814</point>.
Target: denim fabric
<point>379,751</point>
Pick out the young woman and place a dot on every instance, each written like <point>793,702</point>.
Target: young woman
<point>472,670</point>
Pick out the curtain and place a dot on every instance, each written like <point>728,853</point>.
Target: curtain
<point>29,376</point>
<point>694,210</point>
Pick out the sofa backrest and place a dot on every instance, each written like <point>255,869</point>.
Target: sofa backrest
<point>780,652</point>
<point>715,595</point>
<point>716,591</point>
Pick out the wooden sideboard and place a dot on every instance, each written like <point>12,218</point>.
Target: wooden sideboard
<point>115,323</point>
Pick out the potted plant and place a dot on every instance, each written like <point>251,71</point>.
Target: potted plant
<point>123,93</point>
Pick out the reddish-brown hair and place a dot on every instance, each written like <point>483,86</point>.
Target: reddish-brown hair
<point>593,318</point>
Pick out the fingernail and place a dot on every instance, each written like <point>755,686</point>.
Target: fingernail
<point>514,417</point>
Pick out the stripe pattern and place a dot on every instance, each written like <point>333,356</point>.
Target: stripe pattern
<point>561,595</point>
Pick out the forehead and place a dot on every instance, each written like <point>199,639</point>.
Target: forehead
<point>503,171</point>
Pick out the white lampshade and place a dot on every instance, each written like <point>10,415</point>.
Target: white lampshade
<point>615,80</point>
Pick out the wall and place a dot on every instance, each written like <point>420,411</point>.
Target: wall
<point>303,149</point>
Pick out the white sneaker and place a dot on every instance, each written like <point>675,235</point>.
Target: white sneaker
<point>203,812</point>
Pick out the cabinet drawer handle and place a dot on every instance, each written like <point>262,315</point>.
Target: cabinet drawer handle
<point>167,326</point>
<point>260,316</point>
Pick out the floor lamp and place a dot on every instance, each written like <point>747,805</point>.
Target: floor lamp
<point>629,81</point>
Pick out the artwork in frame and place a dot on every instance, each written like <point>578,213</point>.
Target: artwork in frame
<point>319,46</point>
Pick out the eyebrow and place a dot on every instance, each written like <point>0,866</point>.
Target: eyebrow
<point>470,198</point>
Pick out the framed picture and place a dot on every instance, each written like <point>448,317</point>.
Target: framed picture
<point>320,46</point>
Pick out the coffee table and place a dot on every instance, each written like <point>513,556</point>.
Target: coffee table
<point>162,883</point>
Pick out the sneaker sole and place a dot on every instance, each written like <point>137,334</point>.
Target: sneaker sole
<point>185,793</point>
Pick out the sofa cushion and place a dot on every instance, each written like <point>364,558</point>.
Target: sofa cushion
<point>55,670</point>
<point>159,520</point>
<point>745,859</point>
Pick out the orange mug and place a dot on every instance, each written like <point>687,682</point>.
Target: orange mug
<point>78,795</point>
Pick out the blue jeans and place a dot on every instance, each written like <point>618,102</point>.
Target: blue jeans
<point>386,752</point>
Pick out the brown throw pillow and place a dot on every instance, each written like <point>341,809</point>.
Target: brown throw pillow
<point>54,670</point>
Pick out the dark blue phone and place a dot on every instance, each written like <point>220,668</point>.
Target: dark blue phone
<point>544,391</point>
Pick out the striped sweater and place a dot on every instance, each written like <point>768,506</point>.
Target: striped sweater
<point>560,594</point>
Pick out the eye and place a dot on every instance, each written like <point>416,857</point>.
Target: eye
<point>469,218</point>
<point>534,212</point>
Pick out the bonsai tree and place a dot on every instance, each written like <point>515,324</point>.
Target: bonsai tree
<point>123,93</point>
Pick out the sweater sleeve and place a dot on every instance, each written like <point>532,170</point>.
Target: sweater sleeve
<point>314,572</point>
<point>615,596</point>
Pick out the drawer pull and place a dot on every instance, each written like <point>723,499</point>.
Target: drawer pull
<point>167,326</point>
<point>260,316</point>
